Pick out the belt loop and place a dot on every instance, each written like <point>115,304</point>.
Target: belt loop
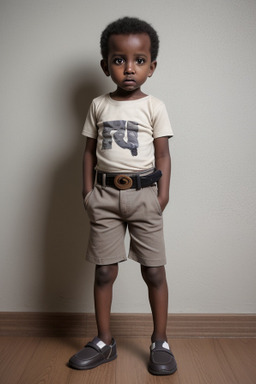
<point>96,178</point>
<point>138,182</point>
<point>104,180</point>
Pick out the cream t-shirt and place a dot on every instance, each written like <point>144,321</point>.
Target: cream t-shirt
<point>125,131</point>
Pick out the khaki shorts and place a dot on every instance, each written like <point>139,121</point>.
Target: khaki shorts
<point>111,211</point>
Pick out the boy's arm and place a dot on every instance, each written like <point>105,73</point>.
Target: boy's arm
<point>163,162</point>
<point>89,163</point>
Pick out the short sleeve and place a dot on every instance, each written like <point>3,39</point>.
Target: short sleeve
<point>90,125</point>
<point>161,122</point>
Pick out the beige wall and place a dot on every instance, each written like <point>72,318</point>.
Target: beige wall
<point>207,77</point>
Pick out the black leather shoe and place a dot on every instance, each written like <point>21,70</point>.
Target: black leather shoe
<point>162,361</point>
<point>93,354</point>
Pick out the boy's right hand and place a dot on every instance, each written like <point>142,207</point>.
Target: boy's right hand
<point>86,197</point>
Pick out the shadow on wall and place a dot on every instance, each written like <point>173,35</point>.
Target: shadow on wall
<point>68,278</point>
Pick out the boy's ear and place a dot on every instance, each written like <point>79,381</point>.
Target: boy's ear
<point>104,66</point>
<point>152,68</point>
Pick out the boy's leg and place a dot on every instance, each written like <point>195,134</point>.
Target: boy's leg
<point>155,279</point>
<point>162,361</point>
<point>105,275</point>
<point>101,349</point>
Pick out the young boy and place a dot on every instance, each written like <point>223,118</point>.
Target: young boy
<point>126,180</point>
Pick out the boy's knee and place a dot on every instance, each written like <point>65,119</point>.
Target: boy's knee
<point>105,274</point>
<point>153,276</point>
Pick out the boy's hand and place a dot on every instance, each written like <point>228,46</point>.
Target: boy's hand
<point>163,202</point>
<point>85,193</point>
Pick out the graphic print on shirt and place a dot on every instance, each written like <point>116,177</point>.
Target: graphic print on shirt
<point>121,128</point>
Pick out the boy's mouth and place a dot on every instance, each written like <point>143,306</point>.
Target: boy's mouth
<point>129,80</point>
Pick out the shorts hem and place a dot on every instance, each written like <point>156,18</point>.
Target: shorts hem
<point>150,263</point>
<point>105,262</point>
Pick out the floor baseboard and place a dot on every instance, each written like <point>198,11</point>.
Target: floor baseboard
<point>125,325</point>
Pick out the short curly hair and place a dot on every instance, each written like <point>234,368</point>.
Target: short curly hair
<point>126,26</point>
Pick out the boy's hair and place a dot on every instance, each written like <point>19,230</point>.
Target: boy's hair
<point>126,26</point>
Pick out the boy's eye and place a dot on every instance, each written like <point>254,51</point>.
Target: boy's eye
<point>140,61</point>
<point>118,61</point>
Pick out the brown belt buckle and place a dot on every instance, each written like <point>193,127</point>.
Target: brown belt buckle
<point>123,182</point>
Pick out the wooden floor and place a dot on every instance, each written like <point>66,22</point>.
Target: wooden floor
<point>42,360</point>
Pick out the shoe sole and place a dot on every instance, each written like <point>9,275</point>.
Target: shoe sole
<point>163,372</point>
<point>74,366</point>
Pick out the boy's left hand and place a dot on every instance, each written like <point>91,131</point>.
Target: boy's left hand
<point>163,202</point>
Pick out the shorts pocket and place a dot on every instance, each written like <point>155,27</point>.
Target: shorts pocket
<point>87,198</point>
<point>154,192</point>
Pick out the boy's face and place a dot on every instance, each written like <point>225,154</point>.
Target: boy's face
<point>129,63</point>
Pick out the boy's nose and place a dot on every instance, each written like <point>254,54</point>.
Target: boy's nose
<point>129,68</point>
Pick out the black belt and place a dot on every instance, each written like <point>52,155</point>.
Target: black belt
<point>125,181</point>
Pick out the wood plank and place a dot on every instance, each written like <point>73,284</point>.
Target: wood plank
<point>16,354</point>
<point>44,360</point>
<point>43,365</point>
<point>125,325</point>
<point>241,358</point>
<point>198,362</point>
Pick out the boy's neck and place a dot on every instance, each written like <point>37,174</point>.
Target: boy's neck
<point>121,95</point>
